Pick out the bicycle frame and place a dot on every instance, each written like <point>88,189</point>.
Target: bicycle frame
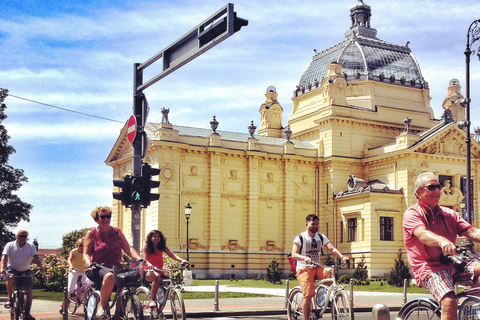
<point>327,293</point>
<point>172,293</point>
<point>427,308</point>
<point>123,295</point>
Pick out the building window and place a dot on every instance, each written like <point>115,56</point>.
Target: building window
<point>386,228</point>
<point>352,229</point>
<point>341,231</point>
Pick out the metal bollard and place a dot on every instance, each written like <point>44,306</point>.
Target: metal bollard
<point>405,286</point>
<point>65,304</point>
<point>287,290</point>
<point>351,299</point>
<point>380,312</point>
<point>215,304</point>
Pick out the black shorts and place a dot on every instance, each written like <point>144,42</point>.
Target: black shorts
<point>21,279</point>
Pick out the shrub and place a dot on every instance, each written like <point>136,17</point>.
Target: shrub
<point>399,272</point>
<point>55,271</point>
<point>274,273</point>
<point>361,272</point>
<point>176,276</point>
<point>344,278</point>
<point>69,240</point>
<point>329,260</point>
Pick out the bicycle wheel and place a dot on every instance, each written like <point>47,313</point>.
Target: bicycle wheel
<point>143,294</point>
<point>22,303</point>
<point>341,308</point>
<point>135,308</point>
<point>177,304</point>
<point>72,305</point>
<point>91,306</point>
<point>14,309</point>
<point>419,310</point>
<point>295,302</point>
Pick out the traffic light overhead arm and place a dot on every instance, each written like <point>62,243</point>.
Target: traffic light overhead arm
<point>203,37</point>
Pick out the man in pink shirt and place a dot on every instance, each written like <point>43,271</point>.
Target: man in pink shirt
<point>429,230</point>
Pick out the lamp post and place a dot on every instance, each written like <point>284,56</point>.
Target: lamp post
<point>188,211</point>
<point>472,36</point>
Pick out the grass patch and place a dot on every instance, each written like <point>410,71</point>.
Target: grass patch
<point>375,286</point>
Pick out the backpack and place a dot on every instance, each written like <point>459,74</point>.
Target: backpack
<point>293,262</point>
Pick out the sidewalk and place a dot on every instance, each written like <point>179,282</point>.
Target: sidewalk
<point>275,305</point>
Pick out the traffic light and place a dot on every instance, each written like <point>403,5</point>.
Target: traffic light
<point>136,190</point>
<point>147,173</point>
<point>125,195</point>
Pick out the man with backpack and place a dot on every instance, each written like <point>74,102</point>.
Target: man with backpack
<point>307,247</point>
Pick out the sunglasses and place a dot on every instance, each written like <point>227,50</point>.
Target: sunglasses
<point>432,187</point>
<point>107,216</point>
<point>22,236</point>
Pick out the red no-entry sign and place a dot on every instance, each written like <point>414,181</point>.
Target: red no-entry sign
<point>132,128</point>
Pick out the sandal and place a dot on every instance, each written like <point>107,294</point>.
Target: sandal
<point>8,304</point>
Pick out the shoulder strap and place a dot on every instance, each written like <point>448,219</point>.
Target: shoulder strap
<point>301,243</point>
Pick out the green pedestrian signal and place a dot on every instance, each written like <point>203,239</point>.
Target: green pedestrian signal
<point>136,190</point>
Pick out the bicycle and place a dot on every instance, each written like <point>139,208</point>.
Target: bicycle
<point>20,298</point>
<point>326,296</point>
<point>468,301</point>
<point>81,294</point>
<point>127,303</point>
<point>166,291</point>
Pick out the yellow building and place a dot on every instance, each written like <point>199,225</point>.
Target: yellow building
<point>360,132</point>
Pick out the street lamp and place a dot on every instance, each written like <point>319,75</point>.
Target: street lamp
<point>474,32</point>
<point>188,211</point>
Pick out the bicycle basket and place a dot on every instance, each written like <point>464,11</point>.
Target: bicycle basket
<point>127,277</point>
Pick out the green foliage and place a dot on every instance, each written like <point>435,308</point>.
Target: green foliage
<point>53,277</point>
<point>399,272</point>
<point>176,276</point>
<point>69,240</point>
<point>329,261</point>
<point>274,273</point>
<point>361,272</point>
<point>344,279</point>
<point>12,208</point>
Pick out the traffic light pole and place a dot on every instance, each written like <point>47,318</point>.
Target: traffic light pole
<point>140,114</point>
<point>203,37</point>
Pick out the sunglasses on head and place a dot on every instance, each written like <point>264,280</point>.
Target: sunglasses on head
<point>107,216</point>
<point>432,187</point>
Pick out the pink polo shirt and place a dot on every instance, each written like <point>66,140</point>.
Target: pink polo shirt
<point>422,258</point>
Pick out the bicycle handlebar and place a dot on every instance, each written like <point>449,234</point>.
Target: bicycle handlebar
<point>168,270</point>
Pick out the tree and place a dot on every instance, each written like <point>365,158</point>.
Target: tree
<point>69,240</point>
<point>329,260</point>
<point>361,272</point>
<point>274,273</point>
<point>12,208</point>
<point>399,272</point>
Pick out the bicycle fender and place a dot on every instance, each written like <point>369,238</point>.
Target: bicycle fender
<point>421,301</point>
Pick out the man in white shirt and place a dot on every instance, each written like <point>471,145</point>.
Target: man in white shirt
<point>16,259</point>
<point>307,247</point>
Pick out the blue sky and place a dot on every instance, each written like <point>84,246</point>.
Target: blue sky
<point>79,55</point>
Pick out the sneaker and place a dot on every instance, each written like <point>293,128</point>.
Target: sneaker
<point>101,314</point>
<point>152,304</point>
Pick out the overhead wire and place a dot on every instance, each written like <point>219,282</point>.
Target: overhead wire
<point>65,109</point>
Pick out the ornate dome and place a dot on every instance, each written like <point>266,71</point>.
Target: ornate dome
<point>364,57</point>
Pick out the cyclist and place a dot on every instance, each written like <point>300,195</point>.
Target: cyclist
<point>104,245</point>
<point>153,251</point>
<point>76,266</point>
<point>307,248</point>
<point>16,259</point>
<point>429,230</point>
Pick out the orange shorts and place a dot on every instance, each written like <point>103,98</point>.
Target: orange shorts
<point>306,278</point>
